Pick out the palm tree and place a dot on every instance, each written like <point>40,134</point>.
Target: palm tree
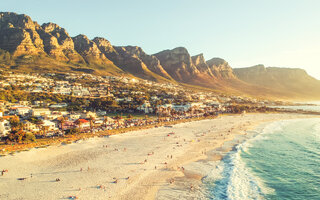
<point>91,119</point>
<point>129,116</point>
<point>105,121</point>
<point>62,120</point>
<point>79,122</point>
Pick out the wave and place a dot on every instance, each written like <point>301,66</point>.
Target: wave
<point>232,180</point>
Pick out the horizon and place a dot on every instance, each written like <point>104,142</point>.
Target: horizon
<point>277,36</point>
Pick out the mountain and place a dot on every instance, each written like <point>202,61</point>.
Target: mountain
<point>215,73</point>
<point>29,47</point>
<point>291,82</point>
<point>134,60</point>
<point>220,68</point>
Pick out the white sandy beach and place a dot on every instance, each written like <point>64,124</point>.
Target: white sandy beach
<point>132,166</point>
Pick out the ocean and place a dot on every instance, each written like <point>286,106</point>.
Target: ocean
<point>281,161</point>
<point>314,107</point>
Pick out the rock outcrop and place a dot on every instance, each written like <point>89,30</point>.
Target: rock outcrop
<point>201,64</point>
<point>59,44</point>
<point>220,68</point>
<point>178,63</point>
<point>89,51</point>
<point>18,35</point>
<point>133,60</point>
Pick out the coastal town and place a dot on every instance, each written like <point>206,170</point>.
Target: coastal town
<point>47,105</point>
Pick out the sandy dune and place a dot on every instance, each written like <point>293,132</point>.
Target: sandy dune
<point>127,166</point>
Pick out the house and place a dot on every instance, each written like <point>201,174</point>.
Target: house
<point>59,105</point>
<point>24,103</point>
<point>88,114</point>
<point>68,125</point>
<point>40,112</point>
<point>74,116</point>
<point>50,126</point>
<point>5,128</point>
<point>146,107</point>
<point>28,126</point>
<point>19,110</point>
<point>82,123</point>
<point>108,120</point>
<point>182,108</point>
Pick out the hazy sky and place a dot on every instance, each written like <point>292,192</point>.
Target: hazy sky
<point>283,33</point>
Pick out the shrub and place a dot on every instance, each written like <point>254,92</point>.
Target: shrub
<point>72,131</point>
<point>30,137</point>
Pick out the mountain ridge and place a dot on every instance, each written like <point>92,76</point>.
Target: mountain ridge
<point>27,46</point>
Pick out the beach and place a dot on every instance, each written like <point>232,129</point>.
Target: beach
<point>157,163</point>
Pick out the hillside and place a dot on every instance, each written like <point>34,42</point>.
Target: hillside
<point>27,46</point>
<point>291,82</point>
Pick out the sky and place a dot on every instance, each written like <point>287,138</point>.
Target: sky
<point>280,33</point>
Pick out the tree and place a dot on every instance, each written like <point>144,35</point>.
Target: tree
<point>72,131</point>
<point>62,121</point>
<point>79,123</point>
<point>91,119</point>
<point>105,120</point>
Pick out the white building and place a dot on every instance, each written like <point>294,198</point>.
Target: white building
<point>5,128</point>
<point>41,112</point>
<point>52,126</point>
<point>146,107</point>
<point>19,110</point>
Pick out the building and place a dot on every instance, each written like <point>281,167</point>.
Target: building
<point>50,126</point>
<point>28,126</point>
<point>82,123</point>
<point>146,107</point>
<point>5,128</point>
<point>40,112</point>
<point>19,110</point>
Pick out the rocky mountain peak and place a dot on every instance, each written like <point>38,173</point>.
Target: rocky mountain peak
<point>18,35</point>
<point>14,20</point>
<point>220,68</point>
<point>104,45</point>
<point>50,27</point>
<point>200,63</point>
<point>198,59</point>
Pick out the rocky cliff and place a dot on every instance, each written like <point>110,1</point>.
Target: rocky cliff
<point>133,60</point>
<point>220,68</point>
<point>19,36</point>
<point>195,70</point>
<point>48,47</point>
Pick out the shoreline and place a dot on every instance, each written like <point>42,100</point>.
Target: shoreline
<point>199,169</point>
<point>132,166</point>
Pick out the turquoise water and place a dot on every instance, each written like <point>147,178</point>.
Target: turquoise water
<point>281,162</point>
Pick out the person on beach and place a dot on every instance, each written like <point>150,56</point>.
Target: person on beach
<point>191,187</point>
